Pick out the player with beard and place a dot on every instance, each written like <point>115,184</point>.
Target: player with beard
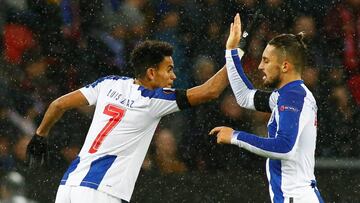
<point>291,140</point>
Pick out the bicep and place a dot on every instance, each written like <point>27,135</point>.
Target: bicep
<point>71,100</point>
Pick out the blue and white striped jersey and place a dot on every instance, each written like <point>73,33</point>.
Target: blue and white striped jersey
<point>290,143</point>
<point>124,121</point>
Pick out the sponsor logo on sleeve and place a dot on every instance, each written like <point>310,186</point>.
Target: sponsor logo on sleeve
<point>288,108</point>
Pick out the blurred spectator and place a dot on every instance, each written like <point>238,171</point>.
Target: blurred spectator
<point>12,189</point>
<point>19,150</point>
<point>6,161</point>
<point>307,24</point>
<point>342,36</point>
<point>315,59</point>
<point>209,32</point>
<point>195,144</point>
<point>168,31</point>
<point>17,39</point>
<point>166,153</point>
<point>3,10</point>
<point>279,17</point>
<point>341,125</point>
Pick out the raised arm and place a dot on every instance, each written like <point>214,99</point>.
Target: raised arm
<point>211,89</point>
<point>246,95</point>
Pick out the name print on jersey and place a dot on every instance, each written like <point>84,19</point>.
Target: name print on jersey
<point>117,96</point>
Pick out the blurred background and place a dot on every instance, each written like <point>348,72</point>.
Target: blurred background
<point>51,47</point>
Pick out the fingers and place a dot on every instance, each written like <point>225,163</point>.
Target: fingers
<point>237,19</point>
<point>237,22</point>
<point>215,130</point>
<point>36,161</point>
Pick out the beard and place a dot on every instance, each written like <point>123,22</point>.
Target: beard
<point>273,82</point>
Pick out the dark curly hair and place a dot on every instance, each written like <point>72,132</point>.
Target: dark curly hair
<point>149,54</point>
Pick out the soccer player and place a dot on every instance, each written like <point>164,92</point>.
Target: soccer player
<point>290,143</point>
<point>125,118</point>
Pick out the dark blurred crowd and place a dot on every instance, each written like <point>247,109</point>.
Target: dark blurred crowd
<point>51,47</point>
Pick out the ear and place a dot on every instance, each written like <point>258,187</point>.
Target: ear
<point>150,73</point>
<point>285,67</point>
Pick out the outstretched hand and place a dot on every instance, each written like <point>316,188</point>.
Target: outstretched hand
<point>235,33</point>
<point>223,134</point>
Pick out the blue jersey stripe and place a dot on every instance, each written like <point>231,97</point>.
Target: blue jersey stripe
<point>278,144</point>
<point>275,180</point>
<point>97,171</point>
<point>71,168</point>
<point>158,93</point>
<point>313,185</point>
<point>240,70</point>
<point>318,195</point>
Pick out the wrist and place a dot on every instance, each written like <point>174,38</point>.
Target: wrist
<point>234,136</point>
<point>41,133</point>
<point>234,52</point>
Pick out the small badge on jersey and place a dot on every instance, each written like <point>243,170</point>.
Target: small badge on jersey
<point>288,108</point>
<point>168,90</point>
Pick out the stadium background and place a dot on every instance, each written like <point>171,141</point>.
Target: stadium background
<point>51,47</point>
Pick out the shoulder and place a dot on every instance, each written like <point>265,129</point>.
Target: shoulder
<point>293,96</point>
<point>292,90</point>
<point>159,93</point>
<point>108,78</point>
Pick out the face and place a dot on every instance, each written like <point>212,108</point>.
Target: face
<point>271,67</point>
<point>164,75</point>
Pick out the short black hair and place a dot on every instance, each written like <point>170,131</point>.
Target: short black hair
<point>148,54</point>
<point>294,48</point>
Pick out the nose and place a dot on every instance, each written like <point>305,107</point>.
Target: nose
<point>173,76</point>
<point>260,67</point>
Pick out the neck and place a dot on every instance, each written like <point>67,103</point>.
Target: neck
<point>144,83</point>
<point>289,78</point>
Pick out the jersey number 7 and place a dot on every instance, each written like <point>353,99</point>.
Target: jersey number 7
<point>116,114</point>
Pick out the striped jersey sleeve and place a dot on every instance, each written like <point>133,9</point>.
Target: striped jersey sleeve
<point>280,143</point>
<point>163,100</point>
<point>246,95</point>
<point>92,91</point>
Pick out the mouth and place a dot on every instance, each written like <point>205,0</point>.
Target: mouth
<point>264,77</point>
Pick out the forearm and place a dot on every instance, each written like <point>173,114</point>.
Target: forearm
<point>52,115</point>
<point>216,84</point>
<point>275,148</point>
<point>211,89</point>
<point>243,89</point>
<point>57,108</point>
